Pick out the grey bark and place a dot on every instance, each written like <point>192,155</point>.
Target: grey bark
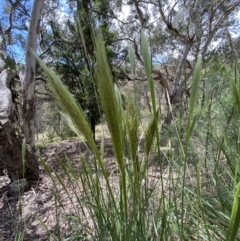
<point>10,135</point>
<point>11,155</point>
<point>11,139</point>
<point>5,94</point>
<point>29,75</point>
<point>2,47</point>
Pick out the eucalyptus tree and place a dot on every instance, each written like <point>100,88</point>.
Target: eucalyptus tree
<point>228,49</point>
<point>10,139</point>
<point>28,81</point>
<point>179,30</point>
<point>19,33</point>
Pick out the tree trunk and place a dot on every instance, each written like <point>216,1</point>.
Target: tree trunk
<point>2,47</point>
<point>11,140</point>
<point>29,75</point>
<point>11,155</point>
<point>5,94</point>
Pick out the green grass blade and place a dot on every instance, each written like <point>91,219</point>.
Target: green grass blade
<point>110,100</point>
<point>145,51</point>
<point>111,103</point>
<point>235,217</point>
<point>150,133</point>
<point>132,124</point>
<point>146,55</point>
<point>193,99</point>
<point>24,147</point>
<point>131,55</point>
<point>69,105</point>
<point>236,95</point>
<point>190,126</point>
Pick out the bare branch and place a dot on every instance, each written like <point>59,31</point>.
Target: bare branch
<point>135,47</point>
<point>168,21</point>
<point>140,13</point>
<point>52,43</point>
<point>110,16</point>
<point>217,25</point>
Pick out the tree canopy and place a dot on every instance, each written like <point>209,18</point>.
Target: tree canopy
<point>180,32</point>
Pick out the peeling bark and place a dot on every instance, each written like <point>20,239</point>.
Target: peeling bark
<point>11,139</point>
<point>2,47</point>
<point>11,155</point>
<point>5,94</point>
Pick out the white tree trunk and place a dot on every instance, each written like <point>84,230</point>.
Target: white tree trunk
<point>2,48</point>
<point>29,75</point>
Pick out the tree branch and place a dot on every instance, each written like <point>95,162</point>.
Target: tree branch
<point>168,21</point>
<point>135,47</point>
<point>212,32</point>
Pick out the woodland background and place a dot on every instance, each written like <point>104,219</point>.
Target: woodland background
<point>149,87</point>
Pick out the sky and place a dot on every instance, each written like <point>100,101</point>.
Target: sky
<point>63,13</point>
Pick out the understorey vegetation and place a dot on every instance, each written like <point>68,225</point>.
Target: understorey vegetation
<point>185,189</point>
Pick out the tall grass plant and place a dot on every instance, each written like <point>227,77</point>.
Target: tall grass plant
<point>155,193</point>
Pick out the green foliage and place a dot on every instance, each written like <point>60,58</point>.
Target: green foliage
<point>50,136</point>
<point>66,132</point>
<point>41,147</point>
<point>191,199</point>
<point>74,53</point>
<point>9,63</point>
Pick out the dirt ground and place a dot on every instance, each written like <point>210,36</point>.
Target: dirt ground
<point>21,215</point>
<point>28,214</point>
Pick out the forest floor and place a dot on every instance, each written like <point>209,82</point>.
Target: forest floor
<point>34,214</point>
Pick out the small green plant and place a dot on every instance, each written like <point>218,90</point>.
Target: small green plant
<point>51,135</point>
<point>41,147</point>
<point>66,132</point>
